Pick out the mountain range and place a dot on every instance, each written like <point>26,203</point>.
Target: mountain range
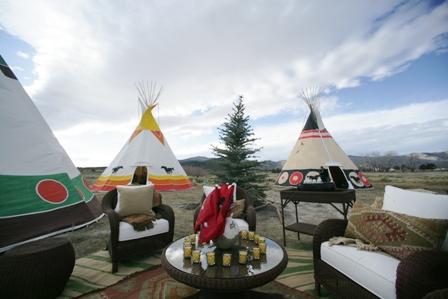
<point>439,159</point>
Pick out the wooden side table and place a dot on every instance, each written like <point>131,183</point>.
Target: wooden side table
<point>39,269</point>
<point>345,197</point>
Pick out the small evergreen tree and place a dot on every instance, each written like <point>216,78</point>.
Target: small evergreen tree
<point>237,162</point>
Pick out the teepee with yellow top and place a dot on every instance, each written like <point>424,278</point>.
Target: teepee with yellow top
<point>146,158</point>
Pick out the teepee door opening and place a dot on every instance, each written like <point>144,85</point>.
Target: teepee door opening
<point>140,175</point>
<point>338,177</point>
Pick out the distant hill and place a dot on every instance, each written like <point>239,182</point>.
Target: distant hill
<point>439,159</point>
<point>208,163</point>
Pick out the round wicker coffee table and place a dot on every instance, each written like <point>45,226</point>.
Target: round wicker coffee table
<point>235,281</point>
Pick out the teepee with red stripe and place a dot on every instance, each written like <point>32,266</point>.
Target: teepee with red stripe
<point>315,148</point>
<point>146,158</point>
<point>42,191</point>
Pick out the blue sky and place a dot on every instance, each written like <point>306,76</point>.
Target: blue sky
<point>383,64</point>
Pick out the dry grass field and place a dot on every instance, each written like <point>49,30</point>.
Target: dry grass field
<point>94,237</point>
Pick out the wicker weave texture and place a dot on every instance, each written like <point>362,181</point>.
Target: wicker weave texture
<point>38,269</point>
<point>122,250</point>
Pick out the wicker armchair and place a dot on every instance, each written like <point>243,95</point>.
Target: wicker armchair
<point>417,275</point>
<point>249,210</point>
<point>121,250</point>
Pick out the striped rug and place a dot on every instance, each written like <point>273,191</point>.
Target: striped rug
<point>93,272</point>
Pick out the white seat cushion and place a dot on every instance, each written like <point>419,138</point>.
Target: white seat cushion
<point>375,271</point>
<point>242,224</point>
<point>418,204</point>
<point>127,231</point>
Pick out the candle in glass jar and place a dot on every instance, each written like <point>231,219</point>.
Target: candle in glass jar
<point>242,257</point>
<point>226,259</point>
<point>210,258</point>
<point>256,253</point>
<point>251,235</point>
<point>196,256</point>
<point>187,251</point>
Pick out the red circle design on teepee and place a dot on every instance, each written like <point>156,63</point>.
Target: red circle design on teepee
<point>295,178</point>
<point>364,179</point>
<point>283,177</point>
<point>52,191</point>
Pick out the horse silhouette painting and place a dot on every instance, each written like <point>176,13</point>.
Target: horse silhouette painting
<point>313,177</point>
<point>168,170</point>
<point>115,169</point>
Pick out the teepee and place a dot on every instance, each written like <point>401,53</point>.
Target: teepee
<point>146,157</point>
<point>42,192</point>
<point>315,148</point>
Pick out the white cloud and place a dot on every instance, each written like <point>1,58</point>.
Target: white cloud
<point>89,54</point>
<point>23,55</point>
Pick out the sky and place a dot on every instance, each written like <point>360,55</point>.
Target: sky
<point>383,66</point>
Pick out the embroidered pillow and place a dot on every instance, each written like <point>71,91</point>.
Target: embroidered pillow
<point>397,234</point>
<point>238,208</point>
<point>378,203</point>
<point>135,200</point>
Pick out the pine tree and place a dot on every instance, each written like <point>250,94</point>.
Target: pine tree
<point>237,162</point>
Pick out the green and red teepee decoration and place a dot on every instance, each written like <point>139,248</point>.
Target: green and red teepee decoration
<point>42,192</point>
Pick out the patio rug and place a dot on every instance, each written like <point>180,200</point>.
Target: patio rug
<point>157,284</point>
<point>144,274</point>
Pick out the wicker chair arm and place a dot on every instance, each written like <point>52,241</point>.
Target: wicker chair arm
<point>114,223</point>
<point>326,230</point>
<point>167,213</point>
<point>421,273</point>
<point>251,218</point>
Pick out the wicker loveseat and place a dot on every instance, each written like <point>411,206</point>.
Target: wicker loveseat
<point>350,273</point>
<point>120,249</point>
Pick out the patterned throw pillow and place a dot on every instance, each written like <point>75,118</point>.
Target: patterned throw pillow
<point>378,203</point>
<point>238,208</point>
<point>397,234</point>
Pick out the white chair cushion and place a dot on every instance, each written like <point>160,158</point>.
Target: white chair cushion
<point>375,271</point>
<point>127,232</point>
<point>242,224</point>
<point>419,204</point>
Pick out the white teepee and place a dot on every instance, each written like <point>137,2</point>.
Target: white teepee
<point>315,148</point>
<point>146,157</point>
<point>42,192</point>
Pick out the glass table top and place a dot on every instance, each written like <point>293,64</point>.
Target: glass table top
<point>174,254</point>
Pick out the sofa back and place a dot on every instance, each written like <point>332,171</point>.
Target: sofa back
<point>418,204</point>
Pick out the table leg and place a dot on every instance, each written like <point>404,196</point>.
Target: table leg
<point>283,221</point>
<point>297,218</point>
